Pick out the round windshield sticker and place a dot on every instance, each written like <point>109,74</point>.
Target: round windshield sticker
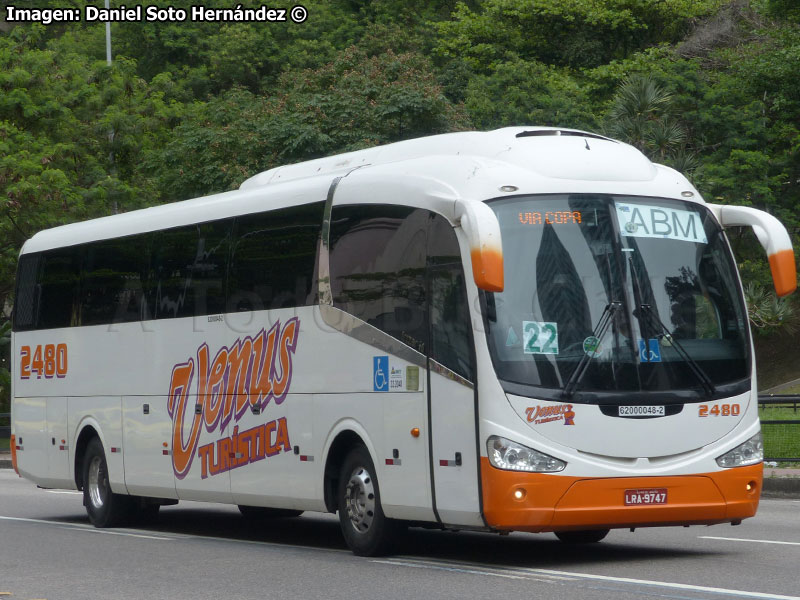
<point>592,347</point>
<point>631,227</point>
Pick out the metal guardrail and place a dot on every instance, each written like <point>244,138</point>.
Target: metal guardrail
<point>772,428</point>
<point>786,400</point>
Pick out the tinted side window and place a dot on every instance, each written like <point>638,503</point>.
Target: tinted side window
<point>112,280</point>
<point>451,341</point>
<point>188,270</point>
<point>377,261</point>
<point>26,298</point>
<point>274,259</point>
<point>58,293</point>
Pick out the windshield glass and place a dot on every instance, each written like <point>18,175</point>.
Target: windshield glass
<point>607,294</point>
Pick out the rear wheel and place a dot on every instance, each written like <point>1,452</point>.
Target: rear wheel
<point>261,512</point>
<point>590,536</point>
<point>366,529</point>
<point>104,507</point>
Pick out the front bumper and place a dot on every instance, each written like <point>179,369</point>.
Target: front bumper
<point>551,502</point>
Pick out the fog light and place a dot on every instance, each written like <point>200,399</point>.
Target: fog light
<point>519,494</point>
<point>751,486</point>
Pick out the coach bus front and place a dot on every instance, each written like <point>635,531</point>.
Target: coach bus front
<point>621,342</point>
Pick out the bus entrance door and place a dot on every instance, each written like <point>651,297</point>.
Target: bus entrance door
<point>452,398</point>
<point>455,460</point>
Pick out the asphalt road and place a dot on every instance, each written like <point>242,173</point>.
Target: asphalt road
<point>196,551</point>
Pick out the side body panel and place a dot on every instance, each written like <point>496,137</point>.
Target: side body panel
<point>147,434</point>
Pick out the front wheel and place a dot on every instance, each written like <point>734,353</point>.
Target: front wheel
<point>104,507</point>
<point>589,536</point>
<point>365,528</point>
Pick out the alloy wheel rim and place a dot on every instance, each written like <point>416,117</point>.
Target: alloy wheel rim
<point>359,500</point>
<point>97,482</point>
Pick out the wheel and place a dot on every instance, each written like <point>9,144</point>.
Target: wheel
<point>104,507</point>
<point>589,536</point>
<point>365,528</point>
<point>260,512</point>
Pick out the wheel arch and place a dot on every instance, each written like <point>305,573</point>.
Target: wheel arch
<point>87,431</point>
<point>343,438</point>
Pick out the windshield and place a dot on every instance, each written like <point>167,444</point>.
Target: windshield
<point>607,294</point>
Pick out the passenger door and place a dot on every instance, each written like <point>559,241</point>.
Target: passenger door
<point>453,404</point>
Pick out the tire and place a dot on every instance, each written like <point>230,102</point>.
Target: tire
<point>589,536</point>
<point>365,528</point>
<point>257,513</point>
<point>104,507</point>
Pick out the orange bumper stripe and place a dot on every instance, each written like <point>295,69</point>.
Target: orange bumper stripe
<point>542,502</point>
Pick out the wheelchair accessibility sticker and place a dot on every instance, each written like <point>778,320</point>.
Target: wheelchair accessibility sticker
<point>387,377</point>
<point>651,352</point>
<point>380,373</point>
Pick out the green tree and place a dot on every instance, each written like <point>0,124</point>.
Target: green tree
<point>576,33</point>
<point>353,102</point>
<point>642,114</point>
<point>784,9</point>
<point>72,134</point>
<point>528,92</point>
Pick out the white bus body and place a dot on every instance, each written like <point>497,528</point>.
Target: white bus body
<point>161,355</point>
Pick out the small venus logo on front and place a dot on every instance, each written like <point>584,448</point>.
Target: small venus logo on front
<point>551,413</point>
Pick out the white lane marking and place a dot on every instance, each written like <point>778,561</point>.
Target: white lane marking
<point>25,520</point>
<point>122,533</point>
<point>64,492</point>
<point>730,539</point>
<point>85,527</point>
<point>588,576</point>
<point>443,568</point>
<point>175,536</point>
<point>279,545</point>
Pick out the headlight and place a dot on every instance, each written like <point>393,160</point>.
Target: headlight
<point>508,455</point>
<point>749,453</point>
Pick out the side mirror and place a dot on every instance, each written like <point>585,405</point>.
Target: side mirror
<point>773,237</point>
<point>486,247</point>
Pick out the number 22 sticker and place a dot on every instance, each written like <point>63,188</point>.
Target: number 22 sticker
<point>539,337</point>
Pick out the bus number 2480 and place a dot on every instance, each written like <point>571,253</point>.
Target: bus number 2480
<point>719,410</point>
<point>49,360</point>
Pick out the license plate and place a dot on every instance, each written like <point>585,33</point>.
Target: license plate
<point>642,411</point>
<point>645,497</point>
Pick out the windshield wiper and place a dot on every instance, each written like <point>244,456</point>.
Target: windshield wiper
<point>645,309</point>
<point>599,331</point>
<point>696,369</point>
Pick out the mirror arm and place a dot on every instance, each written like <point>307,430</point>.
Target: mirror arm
<point>771,234</point>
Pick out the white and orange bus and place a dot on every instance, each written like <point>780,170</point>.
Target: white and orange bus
<point>529,329</point>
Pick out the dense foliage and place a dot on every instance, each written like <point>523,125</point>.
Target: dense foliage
<point>707,86</point>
